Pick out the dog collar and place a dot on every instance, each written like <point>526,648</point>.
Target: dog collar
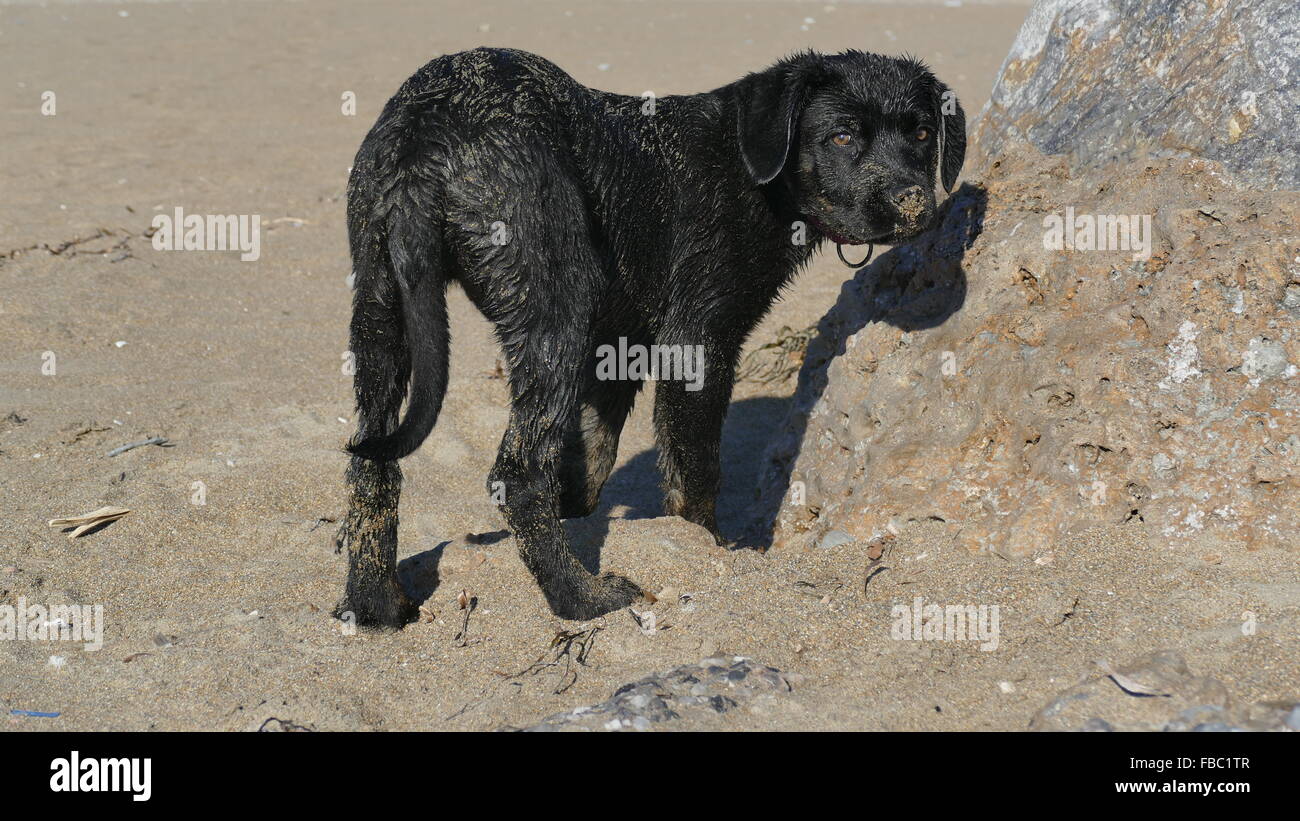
<point>839,249</point>
<point>840,242</point>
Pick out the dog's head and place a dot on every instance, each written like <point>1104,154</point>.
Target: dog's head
<point>860,138</point>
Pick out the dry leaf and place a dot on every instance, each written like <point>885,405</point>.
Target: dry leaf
<point>87,521</point>
<point>877,547</point>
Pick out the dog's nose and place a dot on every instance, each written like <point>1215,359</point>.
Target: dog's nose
<point>907,195</point>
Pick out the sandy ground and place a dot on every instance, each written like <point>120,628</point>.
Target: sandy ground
<point>216,614</point>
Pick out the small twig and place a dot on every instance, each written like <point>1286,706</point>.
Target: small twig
<point>322,520</point>
<point>819,590</point>
<point>285,726</point>
<point>90,521</point>
<point>467,604</point>
<point>563,643</point>
<point>873,569</point>
<point>876,552</point>
<point>72,243</point>
<point>160,441</point>
<point>1128,684</point>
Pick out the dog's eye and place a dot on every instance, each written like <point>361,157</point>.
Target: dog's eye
<point>922,134</point>
<point>842,138</point>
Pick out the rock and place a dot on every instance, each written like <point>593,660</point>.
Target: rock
<point>1292,719</point>
<point>1100,332</point>
<point>1095,339</point>
<point>715,685</point>
<point>1043,392</point>
<point>1189,703</point>
<point>1108,80</point>
<point>834,538</point>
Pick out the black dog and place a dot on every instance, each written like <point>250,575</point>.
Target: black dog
<point>573,218</point>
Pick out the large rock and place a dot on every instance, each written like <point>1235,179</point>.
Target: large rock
<point>1023,394</point>
<point>1022,387</point>
<point>1100,80</point>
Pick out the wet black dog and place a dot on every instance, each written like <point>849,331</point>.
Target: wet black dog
<point>576,219</point>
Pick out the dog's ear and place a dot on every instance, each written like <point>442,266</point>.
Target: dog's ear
<point>952,137</point>
<point>769,104</point>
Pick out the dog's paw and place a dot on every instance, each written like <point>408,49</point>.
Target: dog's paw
<point>616,592</point>
<point>387,609</point>
<point>705,519</point>
<point>605,594</point>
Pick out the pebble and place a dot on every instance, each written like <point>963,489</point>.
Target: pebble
<point>1292,720</point>
<point>1191,704</point>
<point>715,685</point>
<point>834,538</point>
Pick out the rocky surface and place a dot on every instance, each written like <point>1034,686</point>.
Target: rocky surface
<point>1157,693</point>
<point>715,685</point>
<point>1021,394</point>
<point>1107,80</point>
<point>1087,376</point>
<point>1101,337</point>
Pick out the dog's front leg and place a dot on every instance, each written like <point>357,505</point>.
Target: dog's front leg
<point>688,429</point>
<point>591,444</point>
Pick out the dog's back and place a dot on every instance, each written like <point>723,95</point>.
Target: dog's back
<point>479,147</point>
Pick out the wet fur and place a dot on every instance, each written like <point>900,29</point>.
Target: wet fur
<point>671,228</point>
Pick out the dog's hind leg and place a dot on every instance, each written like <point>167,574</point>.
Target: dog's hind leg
<point>383,324</point>
<point>373,597</point>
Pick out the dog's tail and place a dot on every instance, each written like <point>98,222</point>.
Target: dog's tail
<point>409,251</point>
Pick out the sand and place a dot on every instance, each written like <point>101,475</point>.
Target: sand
<point>216,614</point>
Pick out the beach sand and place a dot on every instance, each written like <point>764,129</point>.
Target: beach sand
<point>217,614</point>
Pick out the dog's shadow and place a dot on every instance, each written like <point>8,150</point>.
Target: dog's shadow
<point>635,490</point>
<point>418,573</point>
<point>912,287</point>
